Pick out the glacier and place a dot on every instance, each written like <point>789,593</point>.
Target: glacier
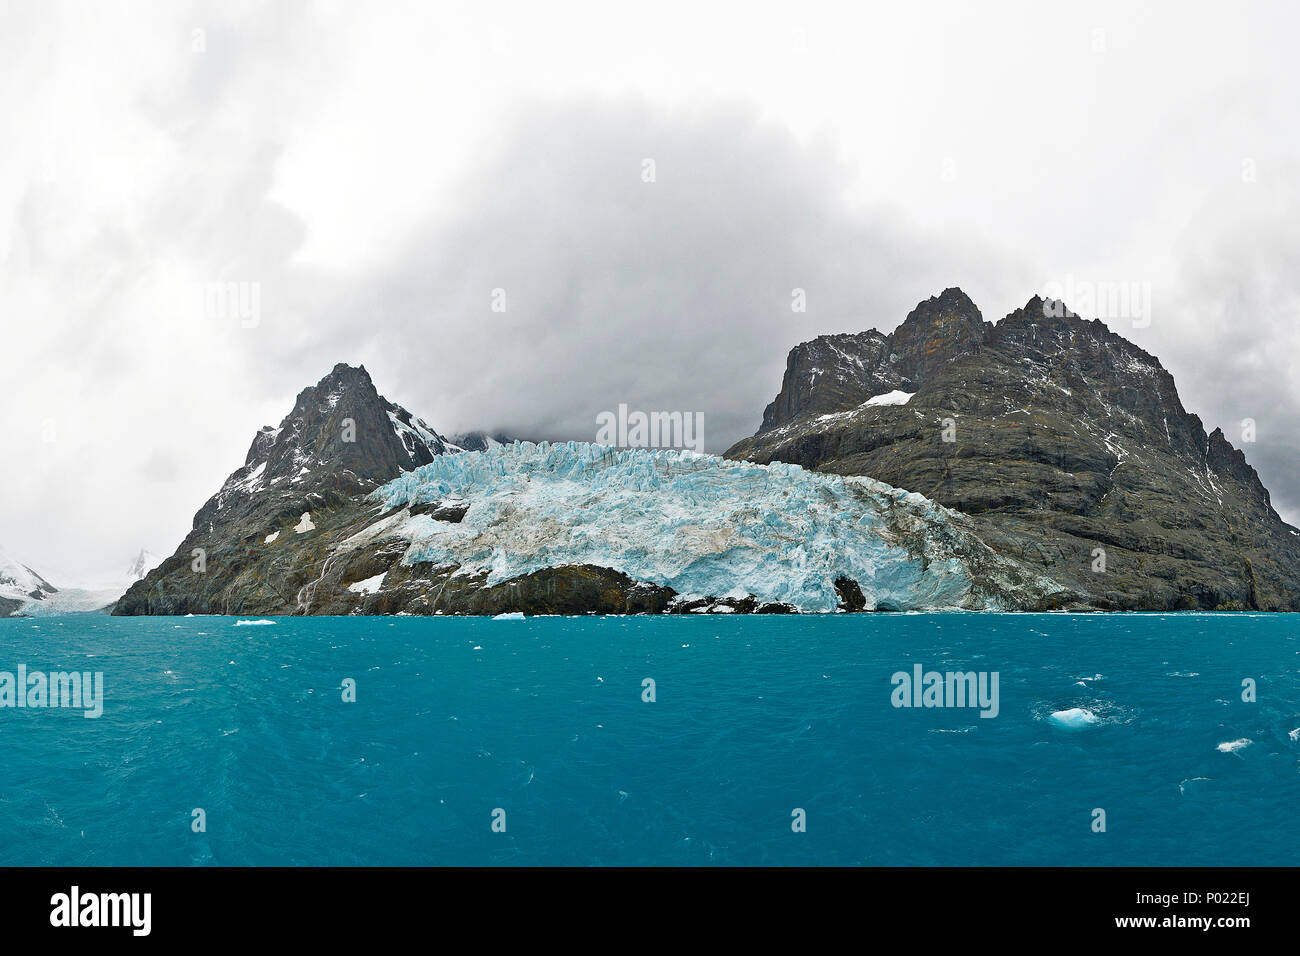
<point>703,525</point>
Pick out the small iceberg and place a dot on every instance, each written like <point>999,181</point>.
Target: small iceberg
<point>1076,718</point>
<point>1232,746</point>
<point>261,623</point>
<point>510,616</point>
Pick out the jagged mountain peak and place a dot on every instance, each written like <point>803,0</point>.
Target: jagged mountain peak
<point>951,301</point>
<point>938,330</point>
<point>832,373</point>
<point>1058,436</point>
<point>341,437</point>
<point>343,423</point>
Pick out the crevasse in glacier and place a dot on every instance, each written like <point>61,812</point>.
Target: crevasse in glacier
<point>702,525</point>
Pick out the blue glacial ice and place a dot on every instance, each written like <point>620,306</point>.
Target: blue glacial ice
<point>702,525</point>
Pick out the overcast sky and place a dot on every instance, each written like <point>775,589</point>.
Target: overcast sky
<point>375,171</point>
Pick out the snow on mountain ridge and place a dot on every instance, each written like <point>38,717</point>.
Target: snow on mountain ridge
<point>18,581</point>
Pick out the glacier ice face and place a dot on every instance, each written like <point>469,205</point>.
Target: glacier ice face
<point>702,525</point>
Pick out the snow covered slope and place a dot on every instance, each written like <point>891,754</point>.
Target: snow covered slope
<point>18,580</point>
<point>20,586</point>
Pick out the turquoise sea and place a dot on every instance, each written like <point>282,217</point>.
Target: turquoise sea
<point>542,725</point>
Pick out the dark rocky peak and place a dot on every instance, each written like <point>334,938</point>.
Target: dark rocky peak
<point>1223,459</point>
<point>938,330</point>
<point>342,438</point>
<point>1048,327</point>
<point>1051,342</point>
<point>831,373</point>
<point>342,424</point>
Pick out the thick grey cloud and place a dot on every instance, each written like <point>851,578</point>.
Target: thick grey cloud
<point>1230,328</point>
<point>675,294</point>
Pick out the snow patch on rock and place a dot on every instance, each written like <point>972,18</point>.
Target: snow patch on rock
<point>896,397</point>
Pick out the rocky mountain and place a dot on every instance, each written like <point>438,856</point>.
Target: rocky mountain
<point>399,520</point>
<point>577,528</point>
<point>1040,462</point>
<point>341,441</point>
<point>1065,444</point>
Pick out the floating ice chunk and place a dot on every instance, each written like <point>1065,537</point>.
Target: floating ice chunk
<point>253,623</point>
<point>510,616</point>
<point>1232,746</point>
<point>1075,718</point>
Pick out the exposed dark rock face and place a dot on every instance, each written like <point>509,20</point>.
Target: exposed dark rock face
<point>342,440</point>
<point>835,372</point>
<point>1058,437</point>
<point>851,597</point>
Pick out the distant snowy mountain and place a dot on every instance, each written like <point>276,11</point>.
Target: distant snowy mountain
<point>24,593</point>
<point>20,585</point>
<point>482,441</point>
<point>142,564</point>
